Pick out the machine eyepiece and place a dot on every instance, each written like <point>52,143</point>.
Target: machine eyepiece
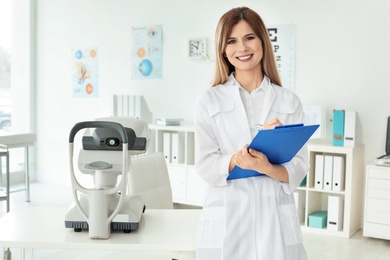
<point>112,142</point>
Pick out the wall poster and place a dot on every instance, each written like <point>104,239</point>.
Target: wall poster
<point>85,73</point>
<point>146,52</point>
<point>283,41</point>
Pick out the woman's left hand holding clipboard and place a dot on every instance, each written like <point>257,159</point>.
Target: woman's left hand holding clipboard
<point>252,159</point>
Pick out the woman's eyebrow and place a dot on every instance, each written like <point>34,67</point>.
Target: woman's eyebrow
<point>246,35</point>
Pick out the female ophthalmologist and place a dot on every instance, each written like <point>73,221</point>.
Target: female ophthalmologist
<point>250,218</point>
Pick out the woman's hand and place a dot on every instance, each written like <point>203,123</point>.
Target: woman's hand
<point>278,172</point>
<point>258,161</point>
<point>251,160</point>
<point>261,163</point>
<point>272,124</point>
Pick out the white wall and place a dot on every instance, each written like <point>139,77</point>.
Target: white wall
<point>342,59</point>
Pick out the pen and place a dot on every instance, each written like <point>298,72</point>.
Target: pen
<point>259,126</point>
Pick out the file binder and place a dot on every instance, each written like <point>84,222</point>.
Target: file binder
<point>137,107</point>
<point>338,173</point>
<point>350,129</point>
<point>335,213</point>
<point>167,147</point>
<point>319,172</point>
<point>338,127</point>
<point>131,106</point>
<point>280,145</point>
<point>177,148</point>
<point>328,172</point>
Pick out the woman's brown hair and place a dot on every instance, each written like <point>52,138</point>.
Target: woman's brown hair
<point>223,67</point>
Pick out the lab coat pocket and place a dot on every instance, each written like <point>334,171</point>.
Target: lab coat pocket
<point>290,225</point>
<point>211,229</point>
<point>221,107</point>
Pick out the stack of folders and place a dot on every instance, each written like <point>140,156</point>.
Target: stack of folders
<point>133,106</point>
<point>169,121</point>
<point>329,172</point>
<point>329,175</point>
<point>173,147</point>
<point>344,128</point>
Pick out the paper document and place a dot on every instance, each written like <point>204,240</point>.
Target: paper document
<point>280,145</point>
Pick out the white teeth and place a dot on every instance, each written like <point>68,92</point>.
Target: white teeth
<point>244,57</point>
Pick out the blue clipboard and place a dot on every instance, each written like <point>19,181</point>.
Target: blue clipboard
<point>280,145</point>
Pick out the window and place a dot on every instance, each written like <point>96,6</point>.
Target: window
<point>17,32</point>
<point>5,64</point>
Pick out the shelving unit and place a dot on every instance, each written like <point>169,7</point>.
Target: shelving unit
<point>317,200</point>
<point>377,202</point>
<point>187,186</point>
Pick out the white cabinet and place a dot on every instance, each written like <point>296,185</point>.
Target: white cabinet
<point>177,143</point>
<point>377,202</point>
<point>316,198</point>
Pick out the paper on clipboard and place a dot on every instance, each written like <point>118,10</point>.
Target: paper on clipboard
<point>280,145</point>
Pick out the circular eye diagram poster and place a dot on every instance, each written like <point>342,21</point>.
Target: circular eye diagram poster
<point>146,52</point>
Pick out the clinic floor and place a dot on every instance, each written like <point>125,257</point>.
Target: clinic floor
<point>318,247</point>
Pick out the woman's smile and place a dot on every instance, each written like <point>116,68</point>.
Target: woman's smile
<point>245,58</point>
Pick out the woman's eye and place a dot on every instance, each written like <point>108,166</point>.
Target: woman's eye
<point>231,41</point>
<point>249,38</point>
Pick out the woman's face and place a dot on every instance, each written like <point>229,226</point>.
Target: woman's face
<point>244,49</point>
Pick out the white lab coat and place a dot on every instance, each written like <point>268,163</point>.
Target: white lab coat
<point>253,218</point>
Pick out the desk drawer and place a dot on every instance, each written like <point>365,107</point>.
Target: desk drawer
<point>378,194</point>
<point>378,217</point>
<point>378,205</point>
<point>378,183</point>
<point>378,211</point>
<point>376,230</point>
<point>379,173</point>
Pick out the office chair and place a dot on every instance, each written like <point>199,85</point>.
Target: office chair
<point>148,177</point>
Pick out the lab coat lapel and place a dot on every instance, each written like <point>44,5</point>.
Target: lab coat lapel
<point>241,128</point>
<point>268,100</point>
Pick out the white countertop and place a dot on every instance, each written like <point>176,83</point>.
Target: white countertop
<point>44,227</point>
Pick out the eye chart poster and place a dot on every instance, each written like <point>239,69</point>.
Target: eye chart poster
<point>283,41</point>
<point>85,73</point>
<point>146,52</point>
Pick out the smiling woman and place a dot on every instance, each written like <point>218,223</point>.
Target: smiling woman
<point>244,51</point>
<point>254,217</point>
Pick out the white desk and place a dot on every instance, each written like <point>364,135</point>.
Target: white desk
<point>44,227</point>
<point>5,153</point>
<point>13,140</point>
